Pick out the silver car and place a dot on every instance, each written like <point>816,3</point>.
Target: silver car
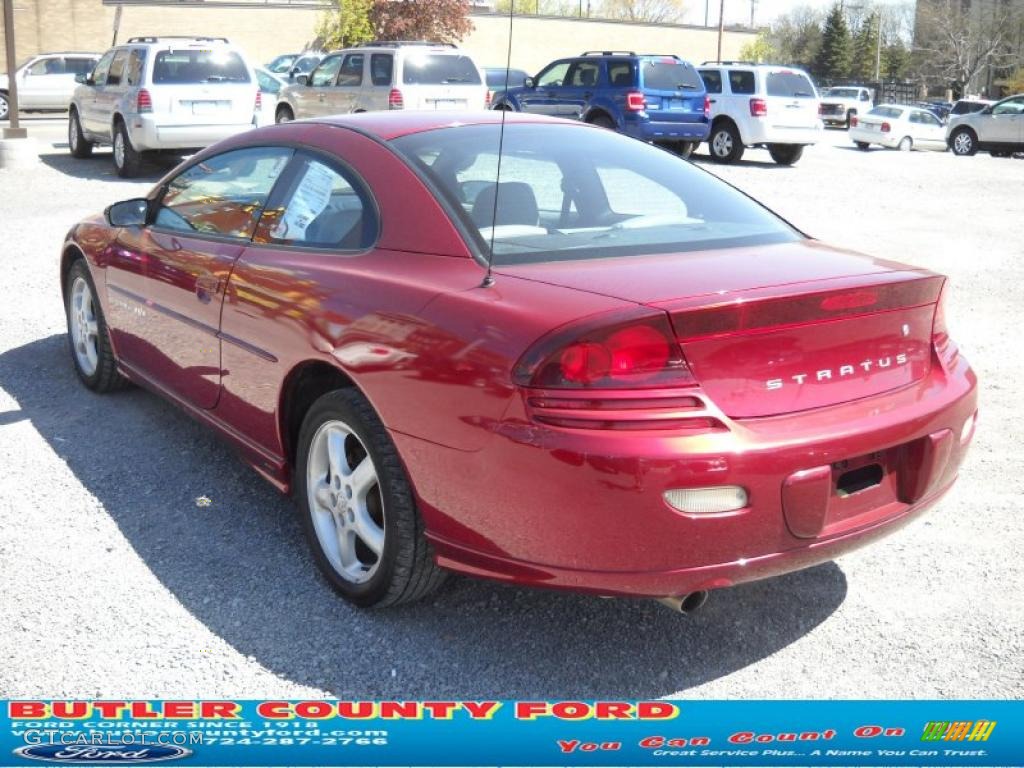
<point>46,81</point>
<point>163,93</point>
<point>997,129</point>
<point>385,75</point>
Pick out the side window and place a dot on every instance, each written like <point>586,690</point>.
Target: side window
<point>583,74</point>
<point>322,207</point>
<point>80,66</point>
<point>620,73</point>
<point>865,96</point>
<point>136,64</point>
<point>116,73</point>
<point>326,72</point>
<point>553,75</point>
<point>712,80</point>
<point>381,67</point>
<point>352,70</point>
<point>223,195</point>
<point>99,75</point>
<point>1009,107</point>
<point>741,81</point>
<point>41,67</point>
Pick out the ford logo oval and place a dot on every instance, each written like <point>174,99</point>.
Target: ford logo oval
<point>109,753</point>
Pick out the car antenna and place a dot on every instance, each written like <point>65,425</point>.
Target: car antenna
<point>489,277</point>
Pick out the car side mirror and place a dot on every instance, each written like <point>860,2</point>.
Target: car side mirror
<point>529,83</point>
<point>987,111</point>
<point>128,213</point>
<point>302,79</point>
<point>81,78</point>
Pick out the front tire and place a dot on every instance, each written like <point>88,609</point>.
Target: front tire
<point>786,154</point>
<point>358,508</point>
<point>78,145</point>
<point>963,142</point>
<point>127,160</point>
<point>5,106</point>
<point>725,144</point>
<point>906,144</point>
<point>88,336</point>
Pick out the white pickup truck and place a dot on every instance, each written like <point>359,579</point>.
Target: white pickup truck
<point>841,103</point>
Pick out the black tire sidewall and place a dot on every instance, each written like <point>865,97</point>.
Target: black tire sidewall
<point>82,147</point>
<point>396,494</point>
<point>974,143</point>
<point>733,134</point>
<point>132,159</point>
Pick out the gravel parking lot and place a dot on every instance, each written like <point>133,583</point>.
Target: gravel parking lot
<point>116,583</point>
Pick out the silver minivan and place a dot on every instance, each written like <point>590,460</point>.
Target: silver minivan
<point>386,75</point>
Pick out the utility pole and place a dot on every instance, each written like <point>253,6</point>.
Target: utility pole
<point>14,131</point>
<point>878,49</point>
<point>707,6</point>
<point>721,27</point>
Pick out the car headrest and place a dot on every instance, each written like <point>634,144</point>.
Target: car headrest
<point>516,205</point>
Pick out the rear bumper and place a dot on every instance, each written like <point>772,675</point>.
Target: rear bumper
<point>147,133</point>
<point>760,132</point>
<point>584,510</point>
<point>889,139</point>
<point>650,128</point>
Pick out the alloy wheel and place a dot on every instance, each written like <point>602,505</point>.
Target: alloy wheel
<point>84,326</point>
<point>345,503</point>
<point>72,133</point>
<point>4,107</point>
<point>722,144</point>
<point>119,149</point>
<point>963,143</point>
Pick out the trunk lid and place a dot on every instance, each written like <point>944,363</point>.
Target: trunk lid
<point>791,99</point>
<point>777,329</point>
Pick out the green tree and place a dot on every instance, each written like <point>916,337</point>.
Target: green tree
<point>795,37</point>
<point>865,48</point>
<point>833,61</point>
<point>760,50</point>
<point>896,60</point>
<point>347,24</point>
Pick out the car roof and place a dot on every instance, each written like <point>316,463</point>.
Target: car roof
<point>66,53</point>
<point>391,125</point>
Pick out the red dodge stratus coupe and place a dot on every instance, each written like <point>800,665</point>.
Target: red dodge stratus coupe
<point>601,370</point>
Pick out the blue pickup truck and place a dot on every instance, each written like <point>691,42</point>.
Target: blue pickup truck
<point>660,99</point>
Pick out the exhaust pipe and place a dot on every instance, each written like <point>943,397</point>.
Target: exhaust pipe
<point>686,604</point>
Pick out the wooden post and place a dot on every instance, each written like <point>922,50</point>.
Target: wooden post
<point>721,27</point>
<point>14,131</point>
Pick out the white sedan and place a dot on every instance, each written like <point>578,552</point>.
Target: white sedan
<point>898,126</point>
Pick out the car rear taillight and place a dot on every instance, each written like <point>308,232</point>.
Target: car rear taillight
<point>853,121</point>
<point>945,348</point>
<point>758,108</point>
<point>639,352</point>
<point>395,100</point>
<point>821,109</point>
<point>636,101</point>
<point>488,99</point>
<point>259,101</point>
<point>143,102</point>
<point>886,127</point>
<point>707,106</point>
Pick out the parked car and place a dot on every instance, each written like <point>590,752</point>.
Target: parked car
<point>270,87</point>
<point>46,81</point>
<point>654,98</point>
<point>498,79</point>
<point>280,65</point>
<point>997,129</point>
<point>938,108</point>
<point>841,104</point>
<point>303,65</point>
<point>898,126</point>
<point>760,105</point>
<point>380,327</point>
<point>162,93</point>
<point>385,76</point>
<point>967,106</point>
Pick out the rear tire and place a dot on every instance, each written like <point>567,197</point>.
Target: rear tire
<point>862,145</point>
<point>88,337</point>
<point>284,115</point>
<point>786,154</point>
<point>78,145</point>
<point>906,144</point>
<point>5,106</point>
<point>724,143</point>
<point>357,506</point>
<point>127,160</point>
<point>963,142</point>
<point>602,121</point>
<point>685,148</point>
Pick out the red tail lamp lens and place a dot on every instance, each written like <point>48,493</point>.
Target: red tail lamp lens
<point>635,354</point>
<point>636,102</point>
<point>707,106</point>
<point>758,108</point>
<point>886,127</point>
<point>143,102</point>
<point>853,121</point>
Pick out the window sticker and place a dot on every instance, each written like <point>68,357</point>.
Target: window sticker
<point>309,200</point>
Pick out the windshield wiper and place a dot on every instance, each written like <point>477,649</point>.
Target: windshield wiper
<point>688,86</point>
<point>801,93</point>
<point>455,80</point>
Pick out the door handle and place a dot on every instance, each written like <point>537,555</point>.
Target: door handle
<point>712,101</point>
<point>207,286</point>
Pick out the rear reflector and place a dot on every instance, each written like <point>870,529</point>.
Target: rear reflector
<point>707,501</point>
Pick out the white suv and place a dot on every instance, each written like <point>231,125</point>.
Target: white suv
<point>386,75</point>
<point>754,105</point>
<point>997,129</point>
<point>163,93</point>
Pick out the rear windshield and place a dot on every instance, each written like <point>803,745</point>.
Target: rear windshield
<point>886,112</point>
<point>965,107</point>
<point>670,74</point>
<point>842,93</point>
<point>789,84</point>
<point>440,69</point>
<point>571,193</point>
<point>199,66</point>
